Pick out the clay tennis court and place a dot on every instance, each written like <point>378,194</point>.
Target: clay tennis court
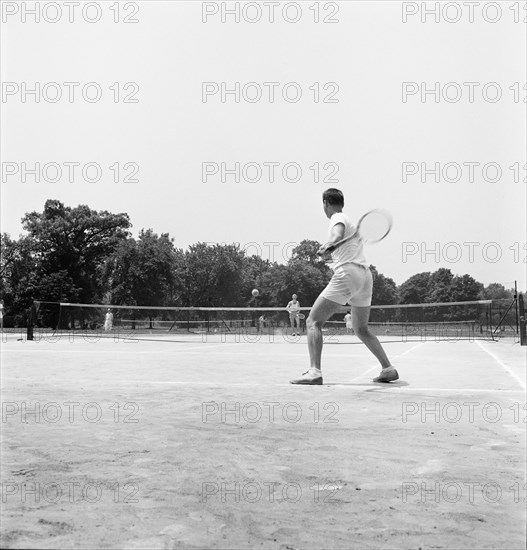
<point>194,444</point>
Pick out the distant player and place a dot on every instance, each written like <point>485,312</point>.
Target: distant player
<point>349,323</point>
<point>108,320</point>
<point>261,323</point>
<point>1,314</point>
<point>293,307</point>
<point>352,284</point>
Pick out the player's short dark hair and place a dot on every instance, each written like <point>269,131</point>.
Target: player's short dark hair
<point>335,197</point>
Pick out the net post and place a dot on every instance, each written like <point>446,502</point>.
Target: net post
<point>31,320</point>
<point>516,308</point>
<point>523,329</point>
<point>490,322</point>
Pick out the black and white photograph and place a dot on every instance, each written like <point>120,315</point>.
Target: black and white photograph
<point>263,274</point>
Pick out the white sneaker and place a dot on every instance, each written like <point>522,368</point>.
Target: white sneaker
<point>312,377</point>
<point>387,375</point>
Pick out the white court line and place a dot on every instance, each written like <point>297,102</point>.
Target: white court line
<point>179,351</point>
<point>502,364</point>
<point>344,385</point>
<point>286,355</point>
<point>376,367</point>
<point>449,390</point>
<point>387,388</point>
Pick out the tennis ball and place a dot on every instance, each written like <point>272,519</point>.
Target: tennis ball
<point>255,292</point>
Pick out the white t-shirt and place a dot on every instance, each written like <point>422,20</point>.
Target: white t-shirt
<point>347,318</point>
<point>294,309</point>
<point>352,251</point>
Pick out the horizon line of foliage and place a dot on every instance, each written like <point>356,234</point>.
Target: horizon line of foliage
<point>83,256</point>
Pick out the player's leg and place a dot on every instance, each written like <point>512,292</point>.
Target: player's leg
<point>361,287</point>
<point>360,317</point>
<point>297,322</point>
<point>326,305</point>
<point>323,309</point>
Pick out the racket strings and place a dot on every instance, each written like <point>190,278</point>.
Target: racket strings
<point>374,226</point>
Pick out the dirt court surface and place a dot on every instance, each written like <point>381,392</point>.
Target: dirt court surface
<point>156,445</point>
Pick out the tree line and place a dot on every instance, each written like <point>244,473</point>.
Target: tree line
<point>79,255</point>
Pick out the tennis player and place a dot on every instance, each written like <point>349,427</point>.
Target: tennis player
<point>352,284</point>
<point>108,320</point>
<point>2,315</point>
<point>293,307</point>
<point>349,322</point>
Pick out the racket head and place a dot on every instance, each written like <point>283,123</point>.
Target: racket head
<point>375,225</point>
<point>301,316</point>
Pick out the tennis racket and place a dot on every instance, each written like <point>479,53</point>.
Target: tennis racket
<point>373,227</point>
<point>301,316</point>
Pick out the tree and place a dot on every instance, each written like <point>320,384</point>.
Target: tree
<point>440,289</point>
<point>18,278</point>
<point>214,275</point>
<point>415,289</point>
<point>384,289</point>
<point>70,246</point>
<point>146,271</point>
<point>301,278</point>
<point>465,288</point>
<point>306,251</point>
<point>8,257</point>
<point>256,275</point>
<point>496,291</point>
<point>15,259</point>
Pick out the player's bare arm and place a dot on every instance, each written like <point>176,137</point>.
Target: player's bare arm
<point>336,235</point>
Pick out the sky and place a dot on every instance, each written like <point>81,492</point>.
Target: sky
<point>360,114</point>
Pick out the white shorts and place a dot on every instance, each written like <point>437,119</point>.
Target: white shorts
<point>351,284</point>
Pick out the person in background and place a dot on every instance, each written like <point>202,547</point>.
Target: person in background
<point>349,323</point>
<point>293,308</point>
<point>108,320</point>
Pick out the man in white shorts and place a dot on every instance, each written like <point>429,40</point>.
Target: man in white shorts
<point>293,308</point>
<point>351,284</point>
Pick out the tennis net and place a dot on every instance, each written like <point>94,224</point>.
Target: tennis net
<point>439,321</point>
